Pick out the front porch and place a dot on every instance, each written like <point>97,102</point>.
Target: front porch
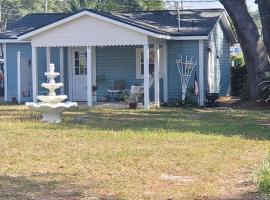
<point>111,63</point>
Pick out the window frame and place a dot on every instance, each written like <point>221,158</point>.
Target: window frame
<point>139,53</point>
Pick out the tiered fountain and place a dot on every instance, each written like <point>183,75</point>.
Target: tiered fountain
<point>51,106</point>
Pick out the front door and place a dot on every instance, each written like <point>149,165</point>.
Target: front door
<point>79,75</point>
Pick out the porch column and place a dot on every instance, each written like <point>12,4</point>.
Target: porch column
<point>19,77</point>
<point>156,74</point>
<point>94,72</point>
<point>62,75</point>
<point>48,58</point>
<point>5,72</point>
<point>89,77</point>
<point>34,73</point>
<point>201,74</point>
<point>165,73</point>
<point>146,76</point>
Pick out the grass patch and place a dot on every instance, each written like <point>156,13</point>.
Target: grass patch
<point>126,154</point>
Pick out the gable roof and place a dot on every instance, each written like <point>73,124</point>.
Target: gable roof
<point>198,22</point>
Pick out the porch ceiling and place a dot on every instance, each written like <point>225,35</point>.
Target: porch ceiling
<point>87,31</point>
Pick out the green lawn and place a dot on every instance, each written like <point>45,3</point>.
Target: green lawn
<point>123,154</point>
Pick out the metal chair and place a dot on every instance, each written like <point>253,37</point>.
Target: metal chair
<point>119,86</point>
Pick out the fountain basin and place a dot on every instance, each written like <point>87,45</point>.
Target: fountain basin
<point>52,99</point>
<point>52,75</point>
<point>52,86</point>
<point>51,112</point>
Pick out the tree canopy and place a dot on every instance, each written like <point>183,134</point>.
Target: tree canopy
<point>13,9</point>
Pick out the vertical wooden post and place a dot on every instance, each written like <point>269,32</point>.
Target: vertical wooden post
<point>94,70</point>
<point>146,76</point>
<point>5,72</point>
<point>19,77</point>
<point>62,73</point>
<point>201,73</point>
<point>165,73</point>
<point>34,73</point>
<point>156,75</point>
<point>48,58</point>
<point>89,77</point>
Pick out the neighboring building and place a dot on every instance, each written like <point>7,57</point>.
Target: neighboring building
<point>236,50</point>
<point>117,45</point>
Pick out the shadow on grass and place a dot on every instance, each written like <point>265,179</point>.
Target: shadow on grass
<point>42,187</point>
<point>243,196</point>
<point>200,121</point>
<point>243,123</point>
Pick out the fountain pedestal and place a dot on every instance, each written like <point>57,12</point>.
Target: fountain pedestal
<point>51,106</point>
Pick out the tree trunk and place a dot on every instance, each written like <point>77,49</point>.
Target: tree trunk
<point>254,51</point>
<point>264,9</point>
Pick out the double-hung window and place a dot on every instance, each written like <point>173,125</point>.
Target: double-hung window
<point>140,63</point>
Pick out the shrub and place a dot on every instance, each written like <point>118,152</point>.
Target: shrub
<point>265,88</point>
<point>264,177</point>
<point>238,60</point>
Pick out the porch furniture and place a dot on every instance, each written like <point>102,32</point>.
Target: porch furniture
<point>120,85</point>
<point>211,98</point>
<point>138,90</point>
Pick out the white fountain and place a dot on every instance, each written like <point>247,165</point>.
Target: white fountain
<point>51,106</point>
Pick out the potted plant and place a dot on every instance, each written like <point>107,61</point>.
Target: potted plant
<point>211,98</point>
<point>94,92</point>
<point>133,101</point>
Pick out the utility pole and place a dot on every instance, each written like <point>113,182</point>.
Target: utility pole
<point>46,6</point>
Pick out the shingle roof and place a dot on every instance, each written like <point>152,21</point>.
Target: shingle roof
<point>193,22</point>
<point>31,22</point>
<point>197,22</point>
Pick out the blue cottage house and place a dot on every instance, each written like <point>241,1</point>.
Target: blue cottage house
<point>89,44</point>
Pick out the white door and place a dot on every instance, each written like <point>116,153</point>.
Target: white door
<point>79,74</point>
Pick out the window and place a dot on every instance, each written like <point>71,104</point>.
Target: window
<point>80,63</point>
<point>140,62</point>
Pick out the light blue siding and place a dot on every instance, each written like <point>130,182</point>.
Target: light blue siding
<point>222,60</point>
<point>26,54</point>
<point>42,66</point>
<point>184,48</point>
<point>118,62</point>
<point>225,65</point>
<point>12,50</point>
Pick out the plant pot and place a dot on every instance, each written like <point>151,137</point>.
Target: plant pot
<point>104,99</point>
<point>133,105</point>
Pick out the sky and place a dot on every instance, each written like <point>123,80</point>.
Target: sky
<point>250,3</point>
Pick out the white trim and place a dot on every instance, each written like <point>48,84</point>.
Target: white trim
<point>19,76</point>
<point>12,41</point>
<point>28,35</point>
<point>62,73</point>
<point>165,72</point>
<point>227,25</point>
<point>34,74</point>
<point>146,76</point>
<point>139,52</point>
<point>48,58</point>
<point>157,74</point>
<point>94,66</point>
<point>89,77</point>
<point>94,71</point>
<point>70,80</point>
<point>201,73</point>
<point>5,72</point>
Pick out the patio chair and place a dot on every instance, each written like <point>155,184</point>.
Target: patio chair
<point>138,90</point>
<point>120,85</point>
